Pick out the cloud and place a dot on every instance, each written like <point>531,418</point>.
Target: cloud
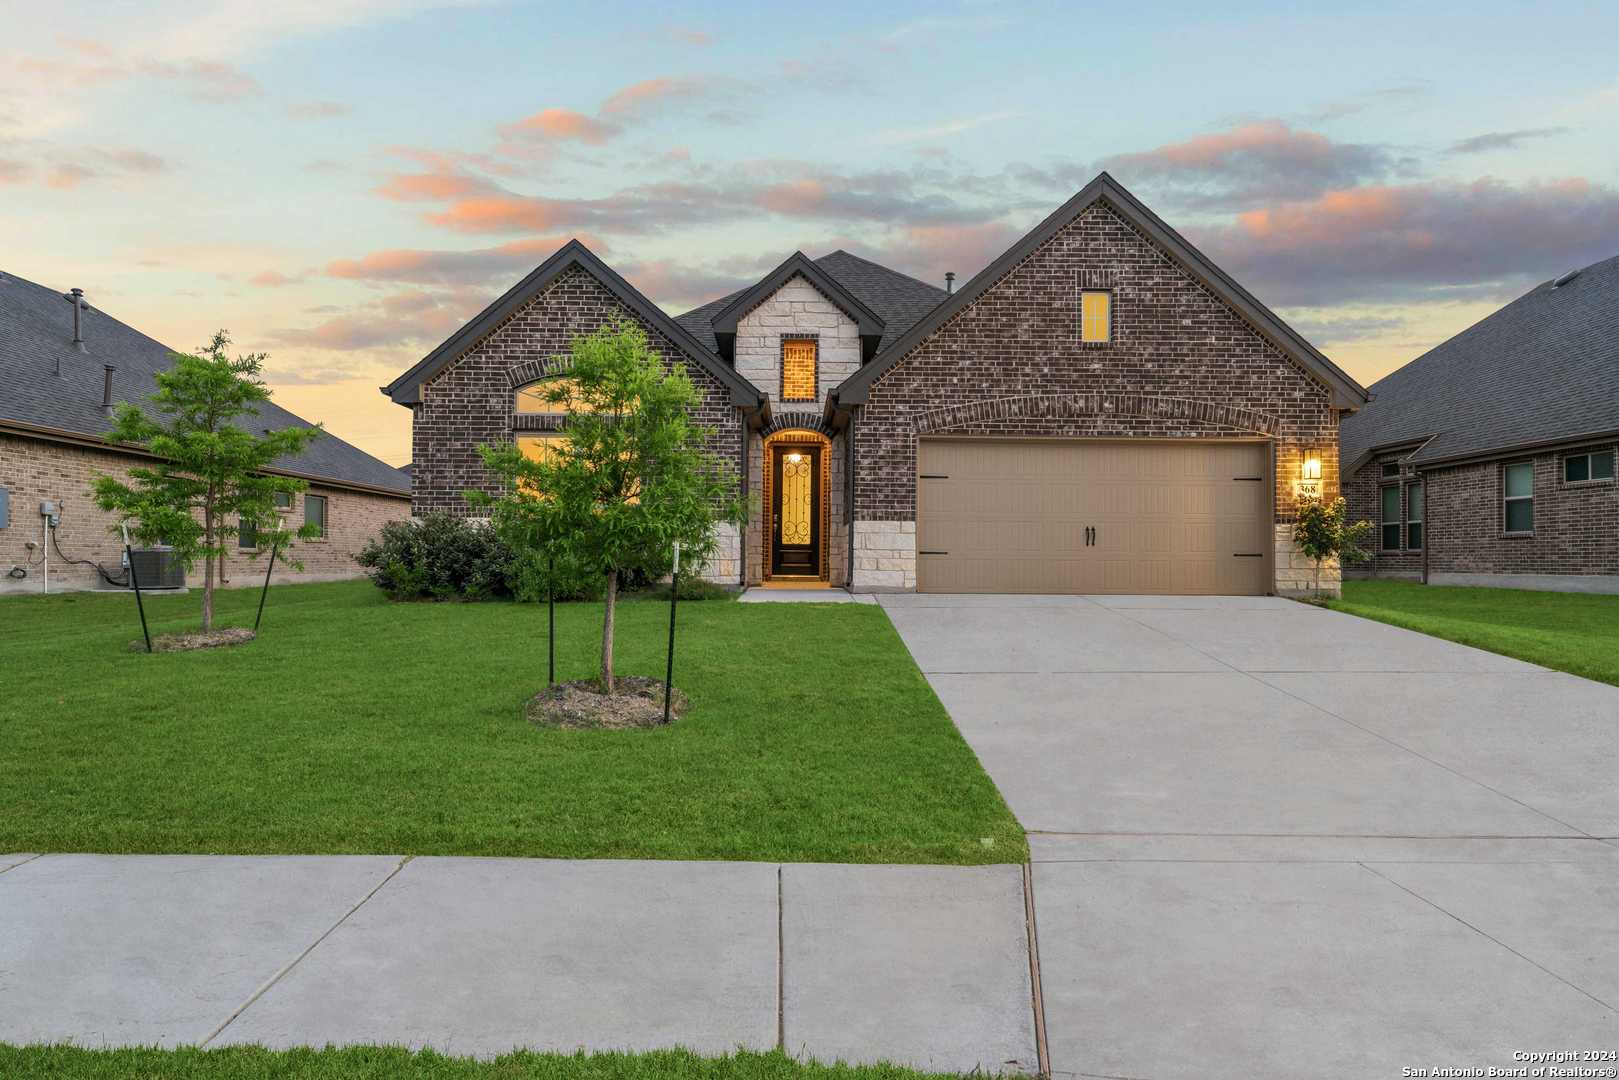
<point>317,110</point>
<point>1254,164</point>
<point>14,171</point>
<point>686,35</point>
<point>927,251</point>
<point>1500,140</point>
<point>274,279</point>
<point>652,96</point>
<point>454,267</point>
<point>951,128</point>
<point>1326,330</point>
<point>66,168</point>
<point>674,284</point>
<point>412,317</point>
<point>1402,99</point>
<point>1415,242</point>
<point>562,125</point>
<point>212,81</point>
<point>828,72</point>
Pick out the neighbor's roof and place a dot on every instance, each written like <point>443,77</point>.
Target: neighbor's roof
<point>1541,370</point>
<point>897,299</point>
<point>36,333</point>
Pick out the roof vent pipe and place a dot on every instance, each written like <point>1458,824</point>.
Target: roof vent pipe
<point>1565,279</point>
<point>949,281</point>
<point>106,392</point>
<point>77,300</point>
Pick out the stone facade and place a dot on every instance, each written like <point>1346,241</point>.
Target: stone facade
<point>473,399</point>
<point>1180,363</point>
<point>797,309</point>
<point>38,470</point>
<point>885,556</point>
<point>1574,545</point>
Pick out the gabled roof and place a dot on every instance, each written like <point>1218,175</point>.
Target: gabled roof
<point>897,298</point>
<point>1539,371</point>
<point>36,335</point>
<point>723,321</point>
<point>1346,393</point>
<point>406,390</point>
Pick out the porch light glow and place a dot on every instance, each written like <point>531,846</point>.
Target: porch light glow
<point>796,458</point>
<point>1312,464</point>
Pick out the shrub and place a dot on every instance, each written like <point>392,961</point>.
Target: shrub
<point>439,557</point>
<point>690,589</point>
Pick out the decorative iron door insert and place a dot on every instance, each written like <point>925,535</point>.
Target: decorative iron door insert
<point>796,511</point>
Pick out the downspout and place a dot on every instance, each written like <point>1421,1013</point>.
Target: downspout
<point>848,491</point>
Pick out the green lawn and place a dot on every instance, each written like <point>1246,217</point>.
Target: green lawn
<point>1573,632</point>
<point>357,725</point>
<point>392,1063</point>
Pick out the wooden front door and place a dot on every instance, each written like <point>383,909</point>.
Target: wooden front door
<point>795,512</point>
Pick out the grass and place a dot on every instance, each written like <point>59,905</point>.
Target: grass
<point>1573,632</point>
<point>394,1063</point>
<point>357,725</point>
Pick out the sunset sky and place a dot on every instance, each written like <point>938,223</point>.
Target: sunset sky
<point>342,183</point>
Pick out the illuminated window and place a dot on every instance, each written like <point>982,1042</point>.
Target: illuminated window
<point>798,370</point>
<point>1096,314</point>
<point>531,398</point>
<point>541,447</point>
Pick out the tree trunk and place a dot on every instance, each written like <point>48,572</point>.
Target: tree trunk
<point>1318,575</point>
<point>208,570</point>
<point>607,631</point>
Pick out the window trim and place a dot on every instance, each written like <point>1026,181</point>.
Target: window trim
<point>815,365</point>
<point>1507,500</point>
<point>1083,319</point>
<point>1398,524</point>
<point>1589,454</point>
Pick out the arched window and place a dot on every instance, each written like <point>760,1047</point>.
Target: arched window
<point>532,398</point>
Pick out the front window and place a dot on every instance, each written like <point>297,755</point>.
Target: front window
<point>315,513</point>
<point>1096,316</point>
<point>1579,468</point>
<point>1413,517</point>
<point>1519,486</point>
<point>798,370</point>
<point>1391,518</point>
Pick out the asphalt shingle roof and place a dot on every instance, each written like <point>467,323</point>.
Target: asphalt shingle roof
<point>900,300</point>
<point>1542,369</point>
<point>36,333</point>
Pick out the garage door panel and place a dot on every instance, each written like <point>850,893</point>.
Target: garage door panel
<point>1168,516</point>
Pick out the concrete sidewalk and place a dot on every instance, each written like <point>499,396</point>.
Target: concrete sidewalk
<point>922,965</point>
<point>1273,841</point>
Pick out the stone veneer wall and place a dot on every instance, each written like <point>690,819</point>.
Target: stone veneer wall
<point>796,309</point>
<point>1181,363</point>
<point>471,401</point>
<point>38,470</point>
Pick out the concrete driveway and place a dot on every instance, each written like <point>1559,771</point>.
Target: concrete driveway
<point>1271,840</point>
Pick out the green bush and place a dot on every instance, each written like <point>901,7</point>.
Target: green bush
<point>439,557</point>
<point>690,589</point>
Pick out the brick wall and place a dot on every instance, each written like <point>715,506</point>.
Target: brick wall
<point>1363,501</point>
<point>1181,363</point>
<point>471,401</point>
<point>38,470</point>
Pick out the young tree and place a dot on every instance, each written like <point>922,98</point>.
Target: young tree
<point>631,476</point>
<point>1320,532</point>
<point>210,469</point>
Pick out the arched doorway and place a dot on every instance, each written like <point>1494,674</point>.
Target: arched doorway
<point>797,506</point>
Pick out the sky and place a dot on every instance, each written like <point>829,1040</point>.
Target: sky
<point>342,183</point>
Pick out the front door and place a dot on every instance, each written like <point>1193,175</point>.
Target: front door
<point>795,549</point>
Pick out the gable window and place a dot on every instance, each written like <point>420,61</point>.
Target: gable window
<point>1391,518</point>
<point>532,398</point>
<point>315,512</point>
<point>798,369</point>
<point>1391,468</point>
<point>1096,316</point>
<point>1518,485</point>
<point>1413,517</point>
<point>1579,468</point>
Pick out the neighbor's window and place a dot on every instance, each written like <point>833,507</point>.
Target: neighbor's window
<point>247,534</point>
<point>283,499</point>
<point>1391,518</point>
<point>315,512</point>
<point>1519,486</point>
<point>1095,316</point>
<point>798,369</point>
<point>531,398</point>
<point>1413,517</point>
<point>1580,467</point>
<point>1391,468</point>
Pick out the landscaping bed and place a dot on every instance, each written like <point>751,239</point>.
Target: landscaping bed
<point>357,725</point>
<point>636,702</point>
<point>1573,632</point>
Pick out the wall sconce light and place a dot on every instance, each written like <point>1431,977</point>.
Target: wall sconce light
<point>1312,463</point>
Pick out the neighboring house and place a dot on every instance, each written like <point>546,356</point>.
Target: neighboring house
<point>56,401</point>
<point>1100,410</point>
<point>1489,460</point>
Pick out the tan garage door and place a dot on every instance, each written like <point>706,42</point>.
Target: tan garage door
<point>1075,516</point>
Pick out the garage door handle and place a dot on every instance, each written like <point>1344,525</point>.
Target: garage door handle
<point>1249,555</point>
<point>1255,478</point>
<point>927,476</point>
<point>933,553</point>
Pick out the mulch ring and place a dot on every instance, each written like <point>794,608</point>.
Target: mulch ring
<point>579,705</point>
<point>213,639</point>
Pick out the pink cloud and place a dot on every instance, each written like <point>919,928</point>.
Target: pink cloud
<point>454,267</point>
<point>274,279</point>
<point>654,94</point>
<point>563,125</point>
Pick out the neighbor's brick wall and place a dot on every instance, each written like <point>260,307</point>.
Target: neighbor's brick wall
<point>1179,355</point>
<point>797,308</point>
<point>471,401</point>
<point>38,470</point>
<point>1363,501</point>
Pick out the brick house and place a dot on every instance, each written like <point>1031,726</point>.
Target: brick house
<point>1489,460</point>
<point>61,372</point>
<point>1100,410</point>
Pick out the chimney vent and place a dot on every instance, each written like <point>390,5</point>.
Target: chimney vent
<point>949,281</point>
<point>77,300</point>
<point>106,393</point>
